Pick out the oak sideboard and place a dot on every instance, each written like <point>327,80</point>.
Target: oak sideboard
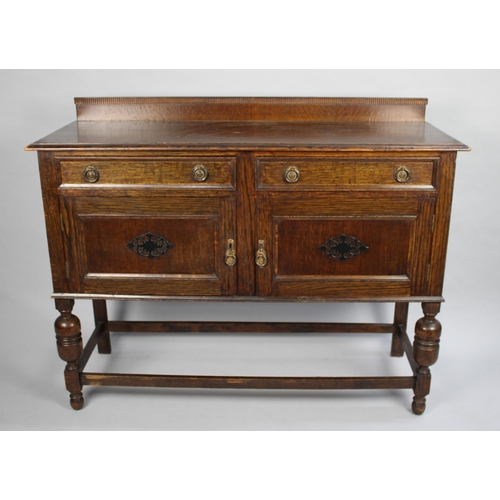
<point>248,199</point>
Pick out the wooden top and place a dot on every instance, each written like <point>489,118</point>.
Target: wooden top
<point>331,124</point>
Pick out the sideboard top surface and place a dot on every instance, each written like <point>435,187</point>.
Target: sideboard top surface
<point>330,124</point>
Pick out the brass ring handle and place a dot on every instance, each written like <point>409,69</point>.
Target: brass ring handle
<point>200,173</point>
<point>230,253</point>
<point>291,175</point>
<point>261,255</point>
<point>402,174</point>
<point>91,174</point>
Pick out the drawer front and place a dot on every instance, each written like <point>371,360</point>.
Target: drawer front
<point>200,172</point>
<point>297,173</point>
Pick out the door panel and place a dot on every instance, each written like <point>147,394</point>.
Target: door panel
<point>150,246</point>
<point>336,246</point>
<point>326,247</point>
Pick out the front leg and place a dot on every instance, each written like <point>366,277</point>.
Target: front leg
<point>70,348</point>
<point>425,352</point>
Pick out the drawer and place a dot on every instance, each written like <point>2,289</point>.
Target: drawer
<point>174,172</point>
<point>290,173</point>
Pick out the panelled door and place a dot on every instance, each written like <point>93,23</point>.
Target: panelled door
<point>150,245</point>
<point>343,245</point>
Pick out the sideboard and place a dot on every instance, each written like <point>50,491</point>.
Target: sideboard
<point>248,199</point>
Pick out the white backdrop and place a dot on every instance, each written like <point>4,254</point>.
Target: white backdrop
<point>463,103</point>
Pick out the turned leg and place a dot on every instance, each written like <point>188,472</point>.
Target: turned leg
<point>425,352</point>
<point>101,316</point>
<point>400,318</point>
<point>69,347</point>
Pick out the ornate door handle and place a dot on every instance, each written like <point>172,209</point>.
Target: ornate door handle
<point>261,256</point>
<point>230,253</point>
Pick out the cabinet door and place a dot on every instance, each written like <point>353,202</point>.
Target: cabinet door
<point>163,245</point>
<point>344,246</point>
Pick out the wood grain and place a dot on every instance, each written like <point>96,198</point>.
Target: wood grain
<point>243,136</point>
<point>249,108</point>
<point>246,327</point>
<point>399,328</point>
<point>226,382</point>
<point>175,172</point>
<point>445,180</point>
<point>50,179</point>
<point>101,230</point>
<point>352,288</point>
<point>332,174</point>
<point>101,318</point>
<point>237,298</point>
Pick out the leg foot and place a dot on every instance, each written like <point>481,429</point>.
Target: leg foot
<point>425,352</point>
<point>76,400</point>
<point>70,348</point>
<point>418,405</point>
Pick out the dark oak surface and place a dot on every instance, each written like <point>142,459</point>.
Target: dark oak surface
<point>310,109</point>
<point>244,135</point>
<point>191,199</point>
